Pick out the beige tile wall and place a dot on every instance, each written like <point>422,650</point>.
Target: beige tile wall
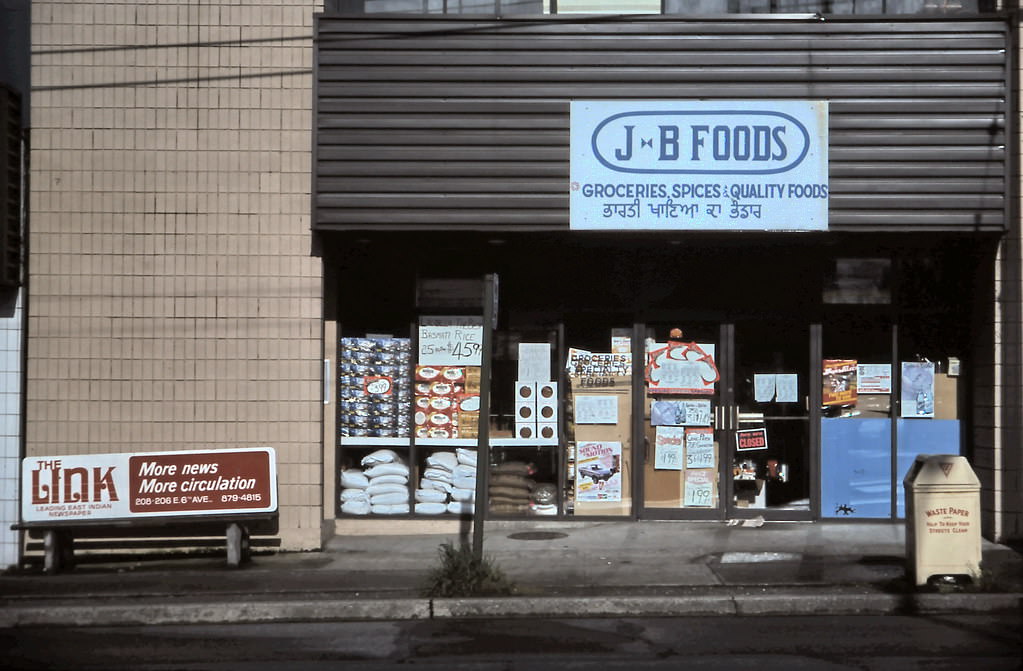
<point>998,409</point>
<point>174,303</point>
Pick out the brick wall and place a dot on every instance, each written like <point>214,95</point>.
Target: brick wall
<point>174,303</point>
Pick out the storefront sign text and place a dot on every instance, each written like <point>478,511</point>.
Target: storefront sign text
<point>115,486</point>
<point>699,165</point>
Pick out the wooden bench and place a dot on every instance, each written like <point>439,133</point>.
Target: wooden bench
<point>59,537</point>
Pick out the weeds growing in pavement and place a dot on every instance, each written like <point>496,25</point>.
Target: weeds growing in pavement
<point>462,574</point>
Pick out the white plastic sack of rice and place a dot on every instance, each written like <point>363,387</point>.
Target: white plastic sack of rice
<point>354,478</point>
<point>463,494</point>
<point>431,496</point>
<point>444,460</point>
<point>393,509</point>
<point>440,485</point>
<point>438,474</point>
<point>355,507</point>
<point>393,479</point>
<point>381,457</point>
<point>431,508</point>
<point>389,498</point>
<point>386,488</point>
<point>354,494</point>
<point>387,469</point>
<point>461,508</point>
<point>461,482</point>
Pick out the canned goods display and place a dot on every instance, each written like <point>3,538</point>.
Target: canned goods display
<point>375,387</point>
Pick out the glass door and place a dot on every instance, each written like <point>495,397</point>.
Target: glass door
<point>682,403</point>
<point>773,469</point>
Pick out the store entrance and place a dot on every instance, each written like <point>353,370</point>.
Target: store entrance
<point>770,432</point>
<point>728,425</point>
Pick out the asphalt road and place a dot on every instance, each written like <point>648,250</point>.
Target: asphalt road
<point>975,642</point>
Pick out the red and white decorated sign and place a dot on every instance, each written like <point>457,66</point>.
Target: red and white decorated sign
<point>125,485</point>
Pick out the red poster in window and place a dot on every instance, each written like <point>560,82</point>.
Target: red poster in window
<point>839,382</point>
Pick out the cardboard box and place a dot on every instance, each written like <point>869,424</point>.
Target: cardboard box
<point>750,493</point>
<point>525,430</point>
<point>525,411</point>
<point>547,402</point>
<point>547,430</point>
<point>547,392</point>
<point>525,391</point>
<point>472,379</point>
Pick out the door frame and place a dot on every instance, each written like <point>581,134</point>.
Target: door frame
<point>725,421</point>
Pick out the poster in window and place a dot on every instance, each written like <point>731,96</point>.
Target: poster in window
<point>596,409</point>
<point>668,448</point>
<point>694,412</point>
<point>918,389</point>
<point>788,387</point>
<point>839,382</point>
<point>874,378</point>
<point>699,492</point>
<point>764,385</point>
<point>681,368</point>
<point>598,471</point>
<point>700,448</point>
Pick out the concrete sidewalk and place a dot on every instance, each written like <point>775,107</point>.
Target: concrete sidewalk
<point>560,569</point>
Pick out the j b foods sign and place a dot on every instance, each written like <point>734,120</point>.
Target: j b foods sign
<point>117,486</point>
<point>719,166</point>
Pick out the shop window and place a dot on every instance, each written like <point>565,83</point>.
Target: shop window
<point>892,378</point>
<point>10,187</point>
<point>599,424</point>
<point>857,387</point>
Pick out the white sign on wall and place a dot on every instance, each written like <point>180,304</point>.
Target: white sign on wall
<point>451,341</point>
<point>699,165</point>
<point>148,484</point>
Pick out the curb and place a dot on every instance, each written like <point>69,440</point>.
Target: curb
<point>248,612</point>
<point>244,612</point>
<point>593,606</point>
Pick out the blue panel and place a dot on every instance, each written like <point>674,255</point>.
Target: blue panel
<point>856,465</point>
<point>923,436</point>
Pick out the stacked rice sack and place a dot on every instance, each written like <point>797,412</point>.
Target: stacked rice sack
<point>510,488</point>
<point>380,487</point>
<point>448,483</point>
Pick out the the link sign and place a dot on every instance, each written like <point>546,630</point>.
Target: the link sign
<point>127,485</point>
<point>699,165</point>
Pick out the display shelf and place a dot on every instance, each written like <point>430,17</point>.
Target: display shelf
<point>446,442</point>
<point>358,441</point>
<point>355,441</point>
<point>524,442</point>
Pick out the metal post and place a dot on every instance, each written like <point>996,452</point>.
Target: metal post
<point>483,434</point>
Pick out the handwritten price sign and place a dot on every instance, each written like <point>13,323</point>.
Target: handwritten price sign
<point>699,489</point>
<point>668,447</point>
<point>451,345</point>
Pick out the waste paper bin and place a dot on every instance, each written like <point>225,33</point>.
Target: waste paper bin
<point>942,518</point>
